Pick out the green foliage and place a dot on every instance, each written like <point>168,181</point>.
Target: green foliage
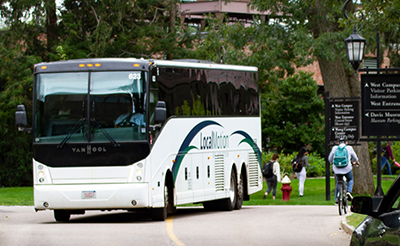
<point>15,147</point>
<point>396,154</point>
<point>269,46</point>
<point>196,109</point>
<point>316,169</point>
<point>134,28</point>
<point>293,114</point>
<point>122,29</point>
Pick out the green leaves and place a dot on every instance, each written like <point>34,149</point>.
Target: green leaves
<point>293,114</point>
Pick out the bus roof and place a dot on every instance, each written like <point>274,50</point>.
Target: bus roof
<point>108,64</point>
<point>202,64</point>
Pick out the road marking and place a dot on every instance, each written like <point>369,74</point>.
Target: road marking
<point>170,232</point>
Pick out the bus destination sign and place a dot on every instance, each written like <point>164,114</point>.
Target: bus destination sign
<point>345,121</point>
<point>380,99</point>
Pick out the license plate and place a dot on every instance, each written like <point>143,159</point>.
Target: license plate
<point>88,194</point>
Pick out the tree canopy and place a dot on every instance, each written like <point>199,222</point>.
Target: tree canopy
<point>294,34</point>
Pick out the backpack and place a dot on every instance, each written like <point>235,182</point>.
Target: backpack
<point>297,165</point>
<point>268,169</point>
<point>340,158</point>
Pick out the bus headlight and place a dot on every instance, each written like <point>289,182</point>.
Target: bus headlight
<point>41,176</point>
<point>139,174</point>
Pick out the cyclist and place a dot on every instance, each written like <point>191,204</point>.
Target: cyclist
<point>344,171</point>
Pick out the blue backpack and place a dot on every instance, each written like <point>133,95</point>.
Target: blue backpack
<point>340,159</point>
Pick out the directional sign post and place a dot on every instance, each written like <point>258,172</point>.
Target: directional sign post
<point>380,100</point>
<point>342,117</point>
<point>380,95</point>
<point>345,121</point>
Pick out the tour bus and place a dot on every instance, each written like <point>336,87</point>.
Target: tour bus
<point>145,135</point>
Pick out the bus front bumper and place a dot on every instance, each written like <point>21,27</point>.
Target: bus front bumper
<point>90,196</point>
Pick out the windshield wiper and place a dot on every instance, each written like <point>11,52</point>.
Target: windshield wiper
<point>72,132</point>
<point>97,124</point>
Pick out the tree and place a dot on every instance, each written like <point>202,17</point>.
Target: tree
<point>21,46</point>
<point>134,28</point>
<point>293,114</point>
<point>320,19</point>
<point>88,28</point>
<point>275,50</point>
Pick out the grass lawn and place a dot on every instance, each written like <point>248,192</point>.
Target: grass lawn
<point>314,194</point>
<point>355,219</point>
<point>22,196</point>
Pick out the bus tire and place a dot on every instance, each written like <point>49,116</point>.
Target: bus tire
<point>240,192</point>
<point>228,204</point>
<point>171,208</point>
<point>210,206</point>
<point>161,214</point>
<point>61,215</point>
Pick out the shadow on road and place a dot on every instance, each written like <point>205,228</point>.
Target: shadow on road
<point>140,216</point>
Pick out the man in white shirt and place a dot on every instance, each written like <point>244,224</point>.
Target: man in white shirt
<point>346,171</point>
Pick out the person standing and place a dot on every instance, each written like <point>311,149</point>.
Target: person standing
<point>272,181</point>
<point>347,170</point>
<point>387,153</point>
<point>302,175</point>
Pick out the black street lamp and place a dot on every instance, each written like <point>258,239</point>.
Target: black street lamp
<point>355,45</point>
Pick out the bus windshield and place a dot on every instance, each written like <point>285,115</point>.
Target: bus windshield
<point>90,107</point>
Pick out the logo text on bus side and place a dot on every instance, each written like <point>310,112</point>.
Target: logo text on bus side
<point>214,141</point>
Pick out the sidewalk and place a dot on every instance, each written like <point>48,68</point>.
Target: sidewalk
<point>346,227</point>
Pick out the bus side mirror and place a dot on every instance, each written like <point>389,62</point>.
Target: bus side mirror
<point>20,116</point>
<point>160,114</point>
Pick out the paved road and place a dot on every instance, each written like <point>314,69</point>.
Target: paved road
<point>252,225</point>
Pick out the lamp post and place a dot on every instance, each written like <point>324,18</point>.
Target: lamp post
<point>355,45</point>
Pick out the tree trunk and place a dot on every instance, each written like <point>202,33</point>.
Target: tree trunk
<point>172,23</point>
<point>339,84</point>
<point>51,25</point>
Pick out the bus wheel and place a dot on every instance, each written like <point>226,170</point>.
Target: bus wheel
<point>240,193</point>
<point>210,206</point>
<point>160,214</point>
<point>228,204</point>
<point>61,215</point>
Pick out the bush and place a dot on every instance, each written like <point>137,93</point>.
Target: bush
<point>316,169</point>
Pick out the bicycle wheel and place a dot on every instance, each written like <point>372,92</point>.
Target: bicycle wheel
<point>340,198</point>
<point>345,201</point>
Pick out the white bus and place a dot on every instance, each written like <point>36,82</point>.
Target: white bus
<point>128,134</point>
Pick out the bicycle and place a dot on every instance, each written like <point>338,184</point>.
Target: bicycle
<point>341,196</point>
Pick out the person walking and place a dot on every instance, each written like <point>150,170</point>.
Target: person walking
<point>343,170</point>
<point>302,175</point>
<point>272,181</point>
<point>387,154</point>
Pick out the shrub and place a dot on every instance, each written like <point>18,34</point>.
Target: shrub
<point>316,169</point>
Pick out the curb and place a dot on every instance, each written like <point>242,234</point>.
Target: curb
<point>346,227</point>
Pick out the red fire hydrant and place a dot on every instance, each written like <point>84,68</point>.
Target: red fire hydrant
<point>286,188</point>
